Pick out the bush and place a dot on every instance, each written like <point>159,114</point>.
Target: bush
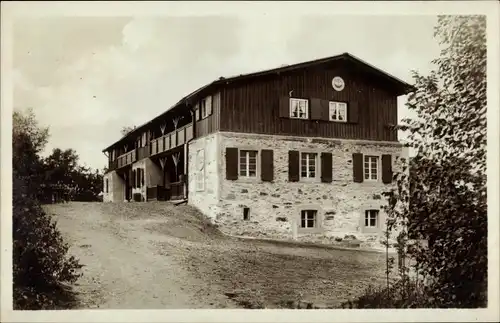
<point>398,295</point>
<point>41,266</point>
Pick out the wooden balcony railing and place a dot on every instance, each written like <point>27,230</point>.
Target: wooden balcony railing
<point>142,152</point>
<point>112,165</point>
<point>126,159</point>
<point>172,139</point>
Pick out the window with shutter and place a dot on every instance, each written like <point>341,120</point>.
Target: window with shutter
<point>299,108</point>
<point>248,163</point>
<point>370,168</point>
<point>308,165</point>
<point>338,111</point>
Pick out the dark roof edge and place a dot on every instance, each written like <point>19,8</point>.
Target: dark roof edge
<point>406,87</point>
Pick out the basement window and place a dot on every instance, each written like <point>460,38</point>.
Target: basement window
<point>308,218</point>
<point>371,218</point>
<point>246,213</point>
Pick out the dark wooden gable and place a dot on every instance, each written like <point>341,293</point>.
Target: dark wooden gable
<point>262,105</point>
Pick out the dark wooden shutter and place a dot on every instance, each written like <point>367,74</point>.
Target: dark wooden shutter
<point>284,107</point>
<point>130,178</point>
<point>134,181</point>
<point>316,111</point>
<point>353,111</point>
<point>357,167</point>
<point>232,163</point>
<point>386,169</point>
<point>326,167</point>
<point>142,176</point>
<point>267,165</point>
<point>325,110</point>
<point>293,166</point>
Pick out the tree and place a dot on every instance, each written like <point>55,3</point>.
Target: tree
<point>41,264</point>
<point>448,174</point>
<point>126,130</point>
<point>443,196</point>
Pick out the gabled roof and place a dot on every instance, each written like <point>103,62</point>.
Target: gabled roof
<point>400,86</point>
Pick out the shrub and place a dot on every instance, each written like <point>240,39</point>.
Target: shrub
<point>41,266</point>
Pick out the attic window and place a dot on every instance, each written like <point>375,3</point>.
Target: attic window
<point>338,111</point>
<point>299,108</point>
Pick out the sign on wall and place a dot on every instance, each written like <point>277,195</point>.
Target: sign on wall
<point>338,83</point>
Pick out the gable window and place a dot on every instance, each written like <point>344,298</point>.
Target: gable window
<point>308,218</point>
<point>308,165</point>
<point>205,107</point>
<point>248,163</point>
<point>299,108</point>
<point>371,218</point>
<point>338,111</point>
<point>371,168</point>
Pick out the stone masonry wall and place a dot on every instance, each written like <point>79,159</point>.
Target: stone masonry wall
<point>116,187</point>
<point>203,161</point>
<point>275,206</point>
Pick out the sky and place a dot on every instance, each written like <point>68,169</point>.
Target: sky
<point>87,77</point>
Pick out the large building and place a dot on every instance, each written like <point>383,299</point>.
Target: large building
<point>302,151</point>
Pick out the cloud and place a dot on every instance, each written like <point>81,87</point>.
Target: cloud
<point>88,77</point>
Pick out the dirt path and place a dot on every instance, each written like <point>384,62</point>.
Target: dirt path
<point>123,268</point>
<point>158,256</point>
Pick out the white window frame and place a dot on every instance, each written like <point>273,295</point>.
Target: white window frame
<point>298,101</point>
<point>371,215</point>
<point>200,171</point>
<point>246,165</point>
<point>368,168</point>
<point>337,109</point>
<point>308,165</point>
<point>305,217</point>
<point>203,106</point>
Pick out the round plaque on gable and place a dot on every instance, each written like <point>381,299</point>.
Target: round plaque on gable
<point>338,83</point>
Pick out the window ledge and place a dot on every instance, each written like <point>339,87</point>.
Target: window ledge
<point>310,230</point>
<point>242,179</point>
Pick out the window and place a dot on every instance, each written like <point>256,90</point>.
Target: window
<point>246,213</point>
<point>371,168</point>
<point>205,107</point>
<point>107,185</point>
<point>299,108</point>
<point>338,111</point>
<point>248,163</point>
<point>308,165</point>
<point>371,218</point>
<point>308,218</point>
